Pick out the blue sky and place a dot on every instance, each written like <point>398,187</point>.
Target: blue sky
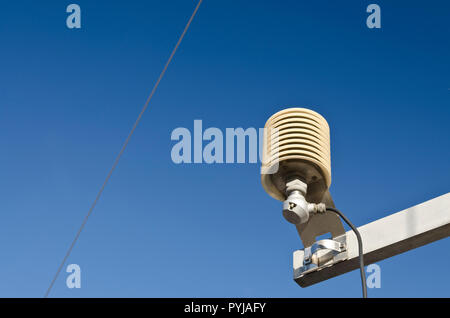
<point>68,99</point>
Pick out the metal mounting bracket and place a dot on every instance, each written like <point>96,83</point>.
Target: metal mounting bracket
<point>320,223</point>
<point>322,253</point>
<point>394,234</point>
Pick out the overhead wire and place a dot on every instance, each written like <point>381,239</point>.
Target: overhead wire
<point>116,161</point>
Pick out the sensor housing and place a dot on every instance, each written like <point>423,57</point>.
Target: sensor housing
<point>296,146</point>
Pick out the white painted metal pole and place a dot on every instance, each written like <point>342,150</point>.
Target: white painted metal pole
<point>397,233</point>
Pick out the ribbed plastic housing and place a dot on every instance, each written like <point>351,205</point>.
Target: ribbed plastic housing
<point>296,143</point>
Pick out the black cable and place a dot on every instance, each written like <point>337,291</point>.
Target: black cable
<point>360,248</point>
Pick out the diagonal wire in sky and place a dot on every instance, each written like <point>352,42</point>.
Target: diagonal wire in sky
<point>116,161</point>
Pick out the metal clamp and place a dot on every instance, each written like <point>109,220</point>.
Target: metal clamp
<point>329,245</point>
<point>313,260</point>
